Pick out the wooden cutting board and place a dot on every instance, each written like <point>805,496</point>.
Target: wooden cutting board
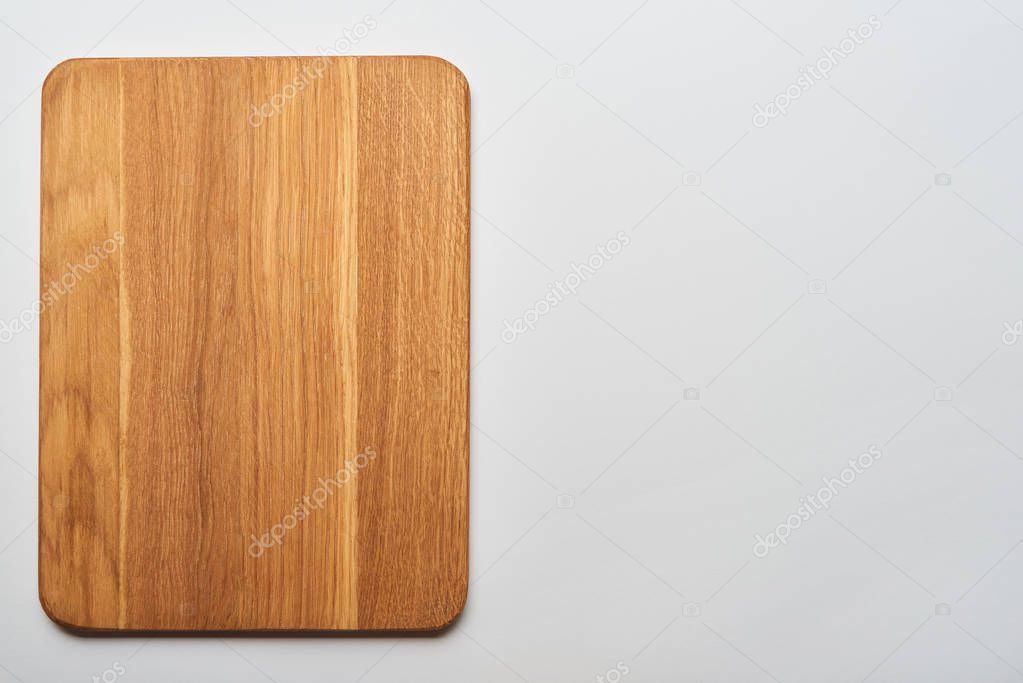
<point>254,344</point>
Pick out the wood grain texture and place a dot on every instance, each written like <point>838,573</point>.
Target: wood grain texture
<point>254,398</point>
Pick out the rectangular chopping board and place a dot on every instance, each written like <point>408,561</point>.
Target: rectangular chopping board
<point>254,344</point>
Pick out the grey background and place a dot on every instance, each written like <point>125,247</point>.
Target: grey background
<point>613,521</point>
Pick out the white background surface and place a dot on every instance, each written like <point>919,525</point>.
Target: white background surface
<point>646,128</point>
